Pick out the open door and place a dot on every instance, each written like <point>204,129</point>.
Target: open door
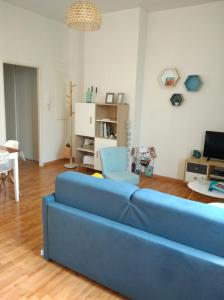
<point>21,108</point>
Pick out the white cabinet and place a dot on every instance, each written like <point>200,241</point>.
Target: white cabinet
<point>99,144</point>
<point>89,137</point>
<point>85,119</point>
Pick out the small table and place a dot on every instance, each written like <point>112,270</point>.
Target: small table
<point>13,155</point>
<point>202,186</point>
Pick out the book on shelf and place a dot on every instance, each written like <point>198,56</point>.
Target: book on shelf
<point>106,130</point>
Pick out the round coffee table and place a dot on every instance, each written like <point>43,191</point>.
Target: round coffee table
<point>201,187</point>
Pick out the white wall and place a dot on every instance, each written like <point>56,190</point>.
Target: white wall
<point>192,40</point>
<point>10,104</point>
<point>32,40</point>
<point>111,57</point>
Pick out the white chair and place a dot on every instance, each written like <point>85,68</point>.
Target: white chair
<point>15,145</point>
<point>12,144</point>
<point>6,166</point>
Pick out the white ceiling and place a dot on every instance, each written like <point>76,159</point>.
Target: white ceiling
<point>56,9</point>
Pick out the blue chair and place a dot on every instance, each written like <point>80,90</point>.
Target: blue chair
<point>114,162</point>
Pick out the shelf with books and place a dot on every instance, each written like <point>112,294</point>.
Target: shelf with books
<point>106,130</point>
<point>98,126</point>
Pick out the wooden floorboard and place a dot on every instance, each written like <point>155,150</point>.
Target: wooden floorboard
<point>24,274</point>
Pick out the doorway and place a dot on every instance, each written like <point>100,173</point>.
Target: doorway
<point>21,108</point>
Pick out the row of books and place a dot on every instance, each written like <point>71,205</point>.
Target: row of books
<point>106,130</point>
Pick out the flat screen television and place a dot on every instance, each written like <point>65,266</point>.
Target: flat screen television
<point>214,145</point>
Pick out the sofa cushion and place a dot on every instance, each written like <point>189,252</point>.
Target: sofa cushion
<point>188,222</point>
<point>102,197</point>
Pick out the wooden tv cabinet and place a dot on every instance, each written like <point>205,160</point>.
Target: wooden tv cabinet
<point>199,169</point>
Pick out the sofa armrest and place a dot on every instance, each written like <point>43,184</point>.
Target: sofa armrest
<point>45,202</point>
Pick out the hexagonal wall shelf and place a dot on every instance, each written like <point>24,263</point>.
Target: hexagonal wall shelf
<point>193,83</point>
<point>176,99</point>
<point>169,78</point>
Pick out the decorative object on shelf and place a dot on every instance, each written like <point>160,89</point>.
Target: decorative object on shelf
<point>110,98</point>
<point>176,99</point>
<point>193,83</point>
<point>88,160</point>
<point>94,91</point>
<point>87,142</point>
<point>91,94</point>
<point>120,98</point>
<point>88,95</point>
<point>196,154</point>
<point>69,100</point>
<point>84,15</point>
<point>143,160</point>
<point>169,78</point>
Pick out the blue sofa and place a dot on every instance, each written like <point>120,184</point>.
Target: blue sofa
<point>140,243</point>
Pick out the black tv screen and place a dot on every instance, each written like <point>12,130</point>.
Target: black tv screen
<point>214,145</point>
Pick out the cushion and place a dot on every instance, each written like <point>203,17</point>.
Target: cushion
<point>188,222</point>
<point>102,197</point>
<point>97,175</point>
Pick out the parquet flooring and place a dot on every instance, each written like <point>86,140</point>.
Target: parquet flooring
<point>24,274</point>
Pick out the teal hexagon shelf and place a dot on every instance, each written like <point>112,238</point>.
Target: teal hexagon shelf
<point>193,83</point>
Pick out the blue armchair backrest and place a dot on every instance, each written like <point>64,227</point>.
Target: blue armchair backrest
<point>114,159</point>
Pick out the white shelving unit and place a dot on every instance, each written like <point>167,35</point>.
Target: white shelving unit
<point>88,125</point>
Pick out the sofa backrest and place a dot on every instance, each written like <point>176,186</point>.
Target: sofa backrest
<point>187,222</point>
<point>114,159</point>
<point>102,197</point>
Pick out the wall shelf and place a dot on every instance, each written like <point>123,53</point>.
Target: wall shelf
<point>176,99</point>
<point>193,83</point>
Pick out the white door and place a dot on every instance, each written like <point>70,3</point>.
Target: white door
<point>85,119</point>
<point>99,144</point>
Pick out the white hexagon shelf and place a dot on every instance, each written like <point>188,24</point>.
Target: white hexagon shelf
<point>169,78</point>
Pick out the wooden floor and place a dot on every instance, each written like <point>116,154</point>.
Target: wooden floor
<point>24,274</point>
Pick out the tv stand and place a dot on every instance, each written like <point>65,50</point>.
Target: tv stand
<point>199,169</point>
<point>199,172</point>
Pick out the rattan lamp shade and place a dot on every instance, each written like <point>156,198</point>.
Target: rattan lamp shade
<point>84,15</point>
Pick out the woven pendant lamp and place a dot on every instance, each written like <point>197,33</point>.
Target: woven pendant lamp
<point>84,15</point>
